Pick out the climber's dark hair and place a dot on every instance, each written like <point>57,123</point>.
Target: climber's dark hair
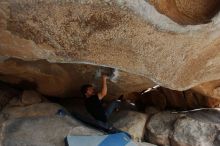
<point>84,88</point>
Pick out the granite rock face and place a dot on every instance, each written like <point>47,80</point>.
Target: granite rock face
<point>128,35</point>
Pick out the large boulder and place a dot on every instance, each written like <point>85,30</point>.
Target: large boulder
<point>197,128</point>
<point>190,132</point>
<point>188,128</point>
<point>37,124</point>
<point>42,131</point>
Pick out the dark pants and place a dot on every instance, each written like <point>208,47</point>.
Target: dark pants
<point>113,105</point>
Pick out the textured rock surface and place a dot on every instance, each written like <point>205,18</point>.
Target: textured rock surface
<point>122,34</point>
<point>131,122</point>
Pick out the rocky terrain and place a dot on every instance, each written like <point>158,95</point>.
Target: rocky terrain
<point>31,119</point>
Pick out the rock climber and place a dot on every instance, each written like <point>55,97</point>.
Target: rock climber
<point>93,101</point>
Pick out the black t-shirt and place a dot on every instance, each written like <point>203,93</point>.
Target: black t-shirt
<point>95,108</point>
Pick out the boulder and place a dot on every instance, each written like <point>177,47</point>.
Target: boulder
<point>31,97</point>
<point>131,122</point>
<point>42,131</point>
<point>193,128</point>
<point>159,128</point>
<point>191,132</point>
<point>38,125</point>
<point>198,128</point>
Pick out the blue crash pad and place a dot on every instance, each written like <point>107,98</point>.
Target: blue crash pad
<point>118,139</point>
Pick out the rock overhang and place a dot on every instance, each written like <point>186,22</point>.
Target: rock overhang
<point>128,35</point>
